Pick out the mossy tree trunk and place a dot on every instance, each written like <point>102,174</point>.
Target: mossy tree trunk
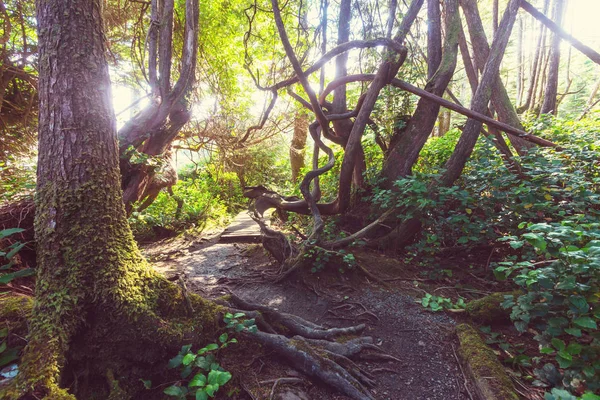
<point>99,308</point>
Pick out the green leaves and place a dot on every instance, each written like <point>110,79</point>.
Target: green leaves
<point>198,380</point>
<point>438,303</point>
<point>218,378</point>
<point>202,386</point>
<point>8,254</point>
<point>585,322</point>
<point>175,361</point>
<point>4,233</point>
<point>176,391</point>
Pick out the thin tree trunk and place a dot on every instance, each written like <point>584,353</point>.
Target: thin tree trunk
<point>343,127</point>
<point>403,155</point>
<point>537,104</point>
<point>466,143</point>
<point>470,69</point>
<point>520,61</point>
<point>444,120</point>
<point>551,91</point>
<point>500,100</point>
<point>588,51</point>
<point>434,37</point>
<point>529,101</point>
<point>495,13</point>
<point>298,144</point>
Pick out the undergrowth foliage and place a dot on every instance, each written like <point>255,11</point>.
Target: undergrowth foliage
<point>200,198</point>
<point>549,226</point>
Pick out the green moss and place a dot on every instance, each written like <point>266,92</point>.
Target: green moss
<point>488,374</point>
<point>15,311</point>
<point>488,309</point>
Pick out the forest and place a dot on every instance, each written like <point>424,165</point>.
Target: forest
<point>300,199</point>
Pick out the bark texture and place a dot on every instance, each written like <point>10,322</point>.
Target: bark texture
<point>549,105</point>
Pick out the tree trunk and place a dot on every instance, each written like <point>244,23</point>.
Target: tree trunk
<point>444,122</point>
<point>489,79</point>
<point>98,305</point>
<point>405,153</point>
<point>298,145</point>
<point>530,99</point>
<point>343,127</point>
<point>499,96</point>
<point>520,61</point>
<point>495,12</point>
<point>434,37</point>
<point>551,91</point>
<point>467,61</point>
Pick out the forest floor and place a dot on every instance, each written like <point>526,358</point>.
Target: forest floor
<point>424,342</point>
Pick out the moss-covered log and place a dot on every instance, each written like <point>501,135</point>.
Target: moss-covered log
<point>487,373</point>
<point>488,309</point>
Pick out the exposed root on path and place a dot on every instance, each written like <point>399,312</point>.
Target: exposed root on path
<point>322,353</point>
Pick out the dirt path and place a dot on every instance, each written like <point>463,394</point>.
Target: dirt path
<point>422,341</point>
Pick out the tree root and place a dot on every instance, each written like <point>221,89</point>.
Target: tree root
<point>322,353</point>
<point>315,363</point>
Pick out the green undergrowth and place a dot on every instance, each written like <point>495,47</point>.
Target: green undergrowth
<point>547,227</point>
<point>200,200</point>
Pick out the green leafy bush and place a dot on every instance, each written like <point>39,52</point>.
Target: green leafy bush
<point>208,376</point>
<point>551,222</point>
<point>199,199</point>
<point>561,297</point>
<point>9,254</point>
<point>440,303</point>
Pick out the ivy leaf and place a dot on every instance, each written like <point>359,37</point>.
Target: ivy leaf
<point>212,346</point>
<point>147,383</point>
<point>585,322</point>
<point>175,361</point>
<point>564,362</point>
<point>201,395</point>
<point>198,380</point>
<point>223,338</point>
<point>201,362</point>
<point>590,396</point>
<point>581,305</point>
<point>188,359</point>
<point>574,348</point>
<point>573,331</point>
<point>558,344</point>
<point>223,378</point>
<point>517,244</point>
<point>174,391</point>
<point>211,389</point>
<point>186,371</point>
